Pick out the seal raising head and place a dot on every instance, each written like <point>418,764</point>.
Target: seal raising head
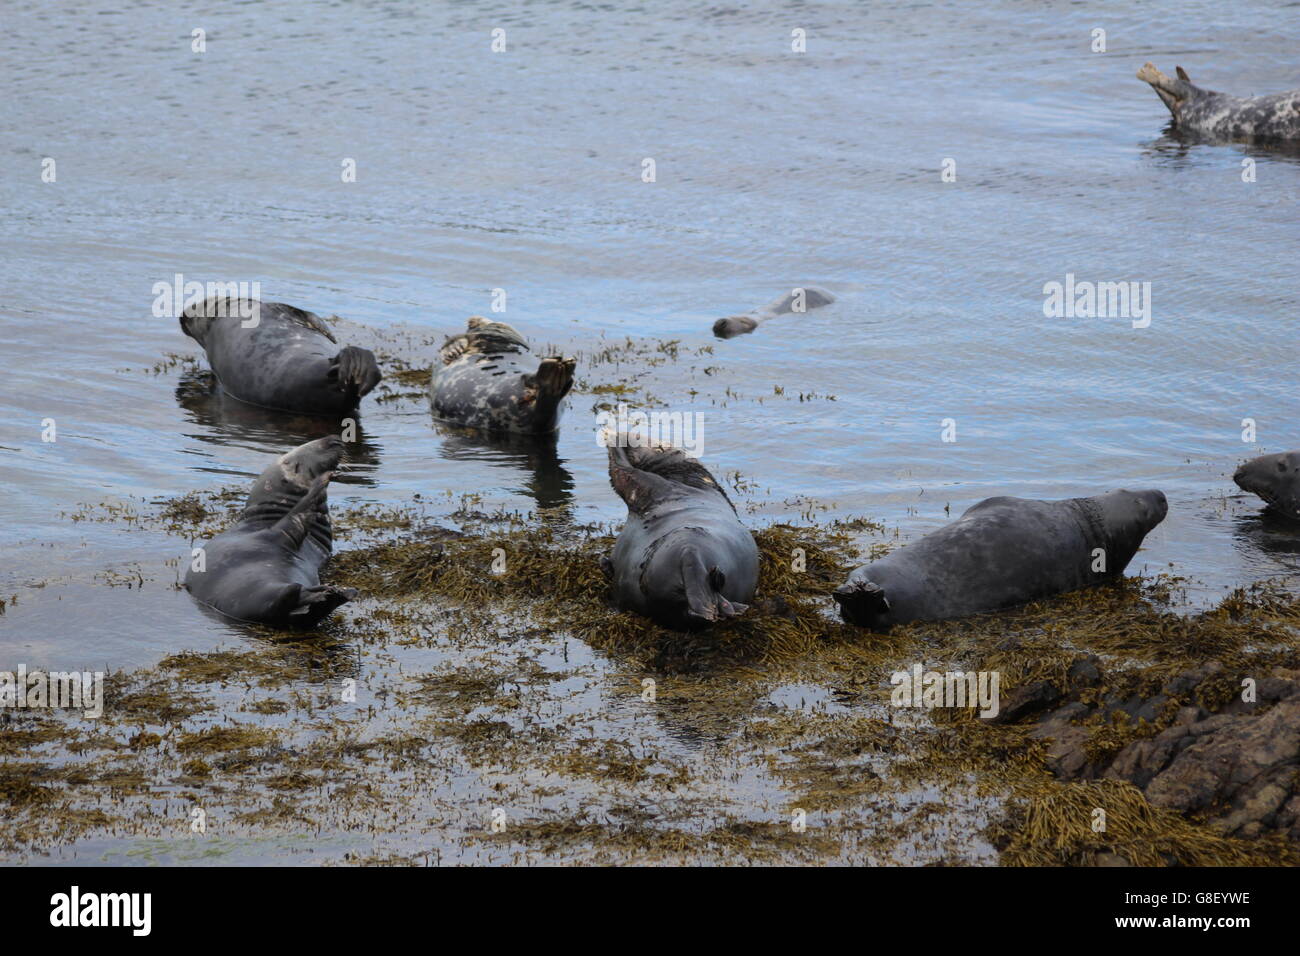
<point>1221,116</point>
<point>266,569</point>
<point>1275,479</point>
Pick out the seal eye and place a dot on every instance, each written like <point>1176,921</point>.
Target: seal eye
<point>1281,466</point>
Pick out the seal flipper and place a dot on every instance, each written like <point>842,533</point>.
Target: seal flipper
<point>638,489</point>
<point>861,602</point>
<point>554,378</point>
<point>704,599</point>
<point>300,518</point>
<point>355,371</point>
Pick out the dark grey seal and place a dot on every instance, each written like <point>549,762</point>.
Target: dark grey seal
<point>266,569</point>
<point>1276,479</point>
<point>683,558</point>
<point>796,300</point>
<point>289,360</point>
<point>1002,552</point>
<point>487,378</point>
<point>1219,116</point>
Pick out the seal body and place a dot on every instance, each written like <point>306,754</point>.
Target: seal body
<point>1002,552</point>
<point>266,569</point>
<point>1218,116</point>
<point>487,378</point>
<point>683,558</point>
<point>1275,479</point>
<point>795,301</point>
<point>280,357</point>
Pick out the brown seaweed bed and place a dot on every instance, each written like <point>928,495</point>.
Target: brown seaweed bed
<point>456,715</point>
<point>518,718</point>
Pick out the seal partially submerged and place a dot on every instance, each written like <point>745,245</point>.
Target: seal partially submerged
<point>1276,479</point>
<point>488,378</point>
<point>1002,552</point>
<point>1223,117</point>
<point>280,357</point>
<point>266,569</point>
<point>683,558</point>
<point>796,300</point>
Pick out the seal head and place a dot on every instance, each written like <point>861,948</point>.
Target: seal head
<point>1275,479</point>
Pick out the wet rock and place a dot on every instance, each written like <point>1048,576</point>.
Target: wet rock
<point>1026,700</point>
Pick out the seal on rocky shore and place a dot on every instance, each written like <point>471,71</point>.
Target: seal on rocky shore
<point>1223,117</point>
<point>1001,552</point>
<point>266,569</point>
<point>683,558</point>
<point>1274,478</point>
<point>796,300</point>
<point>489,379</point>
<point>280,357</point>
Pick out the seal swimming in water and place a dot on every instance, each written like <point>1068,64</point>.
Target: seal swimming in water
<point>489,379</point>
<point>288,361</point>
<point>1275,479</point>
<point>265,570</point>
<point>1223,117</point>
<point>683,558</point>
<point>796,300</point>
<point>1001,552</point>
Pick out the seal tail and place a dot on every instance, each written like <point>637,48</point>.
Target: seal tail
<point>308,606</point>
<point>554,378</point>
<point>354,371</point>
<point>861,602</point>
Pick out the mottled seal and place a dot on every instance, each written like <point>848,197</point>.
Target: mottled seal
<point>1276,479</point>
<point>288,360</point>
<point>1223,117</point>
<point>796,300</point>
<point>487,378</point>
<point>265,570</point>
<point>683,558</point>
<point>1001,552</point>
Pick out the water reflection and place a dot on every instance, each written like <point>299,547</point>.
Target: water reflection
<point>230,422</point>
<point>546,480</point>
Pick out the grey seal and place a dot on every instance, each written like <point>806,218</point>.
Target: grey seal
<point>1222,117</point>
<point>289,360</point>
<point>683,558</point>
<point>488,378</point>
<point>1275,479</point>
<point>999,553</point>
<point>266,569</point>
<point>796,300</point>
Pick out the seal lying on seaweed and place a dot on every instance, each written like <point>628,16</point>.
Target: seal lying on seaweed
<point>1002,552</point>
<point>266,569</point>
<point>489,379</point>
<point>683,558</point>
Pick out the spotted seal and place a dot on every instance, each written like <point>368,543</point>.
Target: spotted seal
<point>1219,116</point>
<point>795,301</point>
<point>488,378</point>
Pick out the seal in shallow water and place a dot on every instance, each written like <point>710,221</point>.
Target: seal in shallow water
<point>288,360</point>
<point>266,569</point>
<point>1002,552</point>
<point>796,300</point>
<point>683,558</point>
<point>1274,478</point>
<point>487,378</point>
<point>1223,117</point>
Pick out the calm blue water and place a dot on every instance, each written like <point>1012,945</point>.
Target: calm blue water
<point>522,170</point>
